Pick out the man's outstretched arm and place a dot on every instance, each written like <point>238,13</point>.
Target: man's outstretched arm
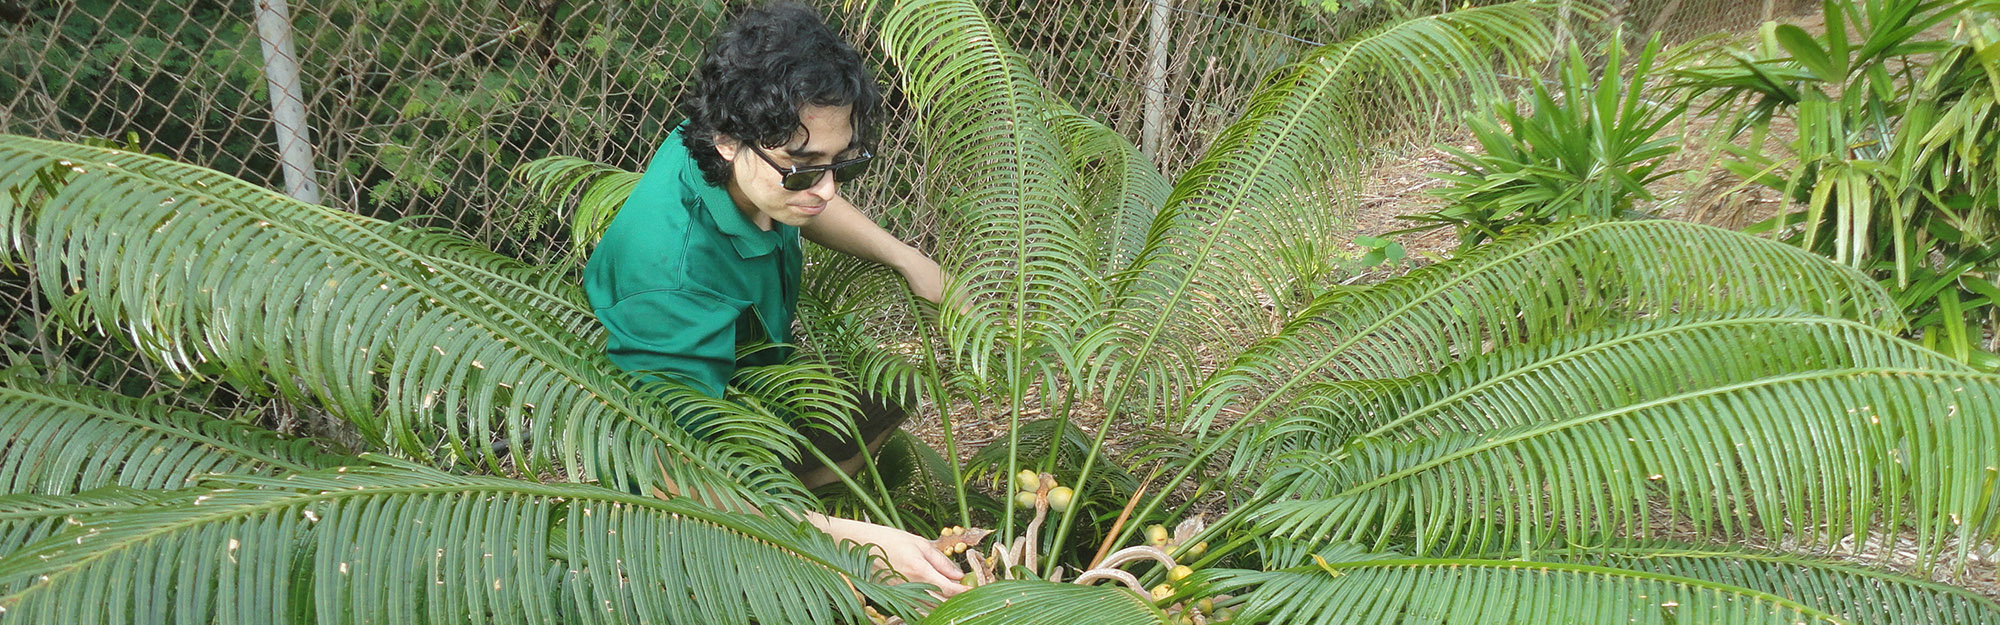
<point>845,229</point>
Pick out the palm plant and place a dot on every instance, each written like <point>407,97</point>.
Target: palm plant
<point>1894,134</point>
<point>1590,153</point>
<point>1504,435</point>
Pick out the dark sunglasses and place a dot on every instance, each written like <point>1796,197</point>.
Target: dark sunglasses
<point>796,178</point>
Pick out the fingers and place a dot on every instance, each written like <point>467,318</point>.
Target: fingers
<point>941,571</point>
<point>943,564</point>
<point>946,588</point>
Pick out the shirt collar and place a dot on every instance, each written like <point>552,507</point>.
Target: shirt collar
<point>749,240</point>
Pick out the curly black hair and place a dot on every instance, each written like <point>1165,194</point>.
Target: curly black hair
<point>769,63</point>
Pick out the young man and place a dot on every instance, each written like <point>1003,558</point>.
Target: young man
<point>705,256</point>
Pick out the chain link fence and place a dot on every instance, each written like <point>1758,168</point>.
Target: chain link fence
<point>421,109</point>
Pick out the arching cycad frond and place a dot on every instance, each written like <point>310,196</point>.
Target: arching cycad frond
<point>1856,594</point>
<point>540,291</point>
<point>796,395</point>
<point>27,519</point>
<point>1501,591</point>
<point>1010,204</point>
<point>1068,444</point>
<point>1045,603</point>
<point>1599,370</point>
<point>858,316</point>
<point>194,266</point>
<point>861,352</point>
<point>600,190</point>
<point>1123,188</point>
<point>1533,286</point>
<point>410,545</point>
<point>1813,457</point>
<point>65,439</point>
<point>1213,265</point>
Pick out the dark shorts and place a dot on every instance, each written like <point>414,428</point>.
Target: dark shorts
<point>877,416</point>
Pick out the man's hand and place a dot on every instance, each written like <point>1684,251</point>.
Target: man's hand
<point>910,555</point>
<point>926,278</point>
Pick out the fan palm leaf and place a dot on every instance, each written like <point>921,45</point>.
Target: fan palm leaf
<point>1598,370</point>
<point>1814,457</point>
<point>1532,287</point>
<point>405,544</point>
<point>1011,205</point>
<point>1405,590</point>
<point>195,266</point>
<point>64,439</point>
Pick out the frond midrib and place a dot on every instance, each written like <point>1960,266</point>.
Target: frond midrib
<point>1639,552</point>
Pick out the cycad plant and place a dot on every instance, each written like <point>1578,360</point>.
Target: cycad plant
<point>1508,436</point>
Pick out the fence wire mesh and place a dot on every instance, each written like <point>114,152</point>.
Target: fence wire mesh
<point>421,109</point>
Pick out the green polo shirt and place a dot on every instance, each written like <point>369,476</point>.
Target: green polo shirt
<point>681,278</point>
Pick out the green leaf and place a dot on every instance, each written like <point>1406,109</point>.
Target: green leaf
<point>600,190</point>
<point>405,544</point>
<point>1498,591</point>
<point>1853,593</point>
<point>1045,603</point>
<point>1208,278</point>
<point>428,348</point>
<point>1598,370</point>
<point>1526,288</point>
<point>1009,200</point>
<point>1781,457</point>
<point>66,439</point>
<point>27,519</point>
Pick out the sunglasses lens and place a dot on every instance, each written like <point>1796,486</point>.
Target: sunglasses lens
<point>850,172</point>
<point>800,181</point>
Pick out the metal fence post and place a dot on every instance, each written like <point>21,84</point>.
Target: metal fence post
<point>1158,32</point>
<point>288,105</point>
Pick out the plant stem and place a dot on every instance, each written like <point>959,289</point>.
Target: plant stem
<point>940,397</point>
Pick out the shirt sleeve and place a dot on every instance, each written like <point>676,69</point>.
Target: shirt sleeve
<point>685,334</point>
